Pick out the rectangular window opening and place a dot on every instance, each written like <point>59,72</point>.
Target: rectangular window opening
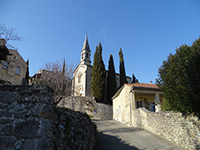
<point>18,71</point>
<point>5,65</point>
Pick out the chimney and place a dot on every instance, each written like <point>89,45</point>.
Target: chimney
<point>2,42</point>
<point>151,82</point>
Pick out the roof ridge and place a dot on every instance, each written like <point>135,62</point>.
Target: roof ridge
<point>143,85</point>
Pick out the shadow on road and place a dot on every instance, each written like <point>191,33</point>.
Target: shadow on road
<point>108,142</point>
<point>114,135</point>
<point>124,130</point>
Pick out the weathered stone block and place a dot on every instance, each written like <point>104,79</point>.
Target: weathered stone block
<point>7,142</point>
<point>29,144</point>
<point>19,107</point>
<point>6,121</point>
<point>6,106</point>
<point>27,129</point>
<point>47,112</point>
<point>8,97</point>
<point>7,130</point>
<point>8,114</point>
<point>22,114</point>
<point>1,113</point>
<point>18,145</point>
<point>45,144</point>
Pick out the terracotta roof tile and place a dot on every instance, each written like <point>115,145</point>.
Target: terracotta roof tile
<point>143,85</point>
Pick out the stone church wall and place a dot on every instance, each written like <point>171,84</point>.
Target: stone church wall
<point>29,120</point>
<point>184,131</point>
<point>88,105</point>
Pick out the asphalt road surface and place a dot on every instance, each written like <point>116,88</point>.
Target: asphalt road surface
<point>114,135</point>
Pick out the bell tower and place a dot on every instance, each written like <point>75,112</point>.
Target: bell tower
<point>86,53</point>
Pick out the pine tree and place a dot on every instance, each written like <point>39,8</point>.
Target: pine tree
<point>111,80</point>
<point>98,76</point>
<point>122,69</point>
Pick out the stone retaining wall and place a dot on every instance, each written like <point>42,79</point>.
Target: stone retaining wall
<point>29,120</point>
<point>88,105</point>
<point>75,131</point>
<point>184,131</point>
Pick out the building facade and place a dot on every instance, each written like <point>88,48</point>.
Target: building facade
<point>137,95</point>
<point>13,69</point>
<point>81,85</point>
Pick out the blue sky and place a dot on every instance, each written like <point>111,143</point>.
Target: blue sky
<point>146,30</point>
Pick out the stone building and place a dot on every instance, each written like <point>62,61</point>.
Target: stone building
<point>4,52</point>
<point>132,96</point>
<point>13,69</point>
<point>82,75</point>
<point>38,75</point>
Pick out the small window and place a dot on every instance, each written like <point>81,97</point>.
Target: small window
<point>139,104</point>
<point>18,71</point>
<point>152,107</point>
<point>5,65</point>
<point>86,55</point>
<point>79,78</point>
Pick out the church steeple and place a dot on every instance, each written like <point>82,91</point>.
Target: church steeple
<point>86,44</point>
<point>85,53</point>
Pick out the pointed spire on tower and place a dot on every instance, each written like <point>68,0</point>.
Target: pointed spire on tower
<point>86,44</point>
<point>86,52</point>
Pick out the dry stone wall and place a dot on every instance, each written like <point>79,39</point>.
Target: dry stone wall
<point>88,105</point>
<point>184,131</point>
<point>75,131</point>
<point>29,120</point>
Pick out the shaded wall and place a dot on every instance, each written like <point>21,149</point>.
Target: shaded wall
<point>29,120</point>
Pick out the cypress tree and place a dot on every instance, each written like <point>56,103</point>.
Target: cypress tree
<point>98,75</point>
<point>63,69</point>
<point>95,75</point>
<point>122,69</point>
<point>27,72</point>
<point>134,80</point>
<point>111,80</point>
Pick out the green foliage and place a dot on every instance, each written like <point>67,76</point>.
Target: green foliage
<point>63,71</point>
<point>179,78</point>
<point>27,72</point>
<point>98,75</point>
<point>134,80</point>
<point>111,80</point>
<point>122,69</point>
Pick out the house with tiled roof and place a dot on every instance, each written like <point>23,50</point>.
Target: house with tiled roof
<point>132,96</point>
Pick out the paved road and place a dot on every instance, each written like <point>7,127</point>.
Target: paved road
<point>116,136</point>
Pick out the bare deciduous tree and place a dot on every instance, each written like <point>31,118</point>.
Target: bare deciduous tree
<point>9,35</point>
<point>58,77</point>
